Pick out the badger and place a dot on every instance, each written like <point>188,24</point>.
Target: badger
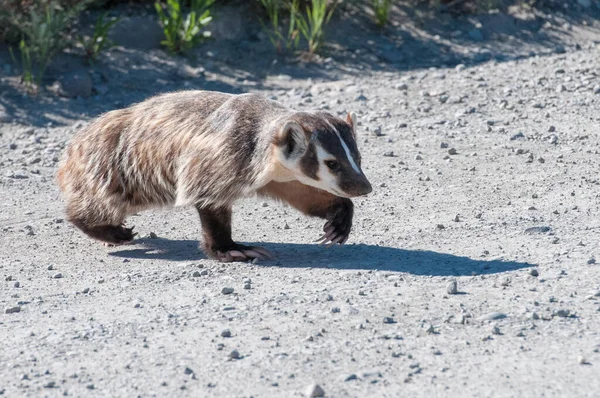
<point>208,149</point>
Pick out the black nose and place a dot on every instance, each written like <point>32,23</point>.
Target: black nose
<point>366,188</point>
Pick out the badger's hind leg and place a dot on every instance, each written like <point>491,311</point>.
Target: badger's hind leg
<point>110,234</point>
<point>100,222</point>
<point>216,237</point>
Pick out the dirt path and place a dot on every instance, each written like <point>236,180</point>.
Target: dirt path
<point>486,175</point>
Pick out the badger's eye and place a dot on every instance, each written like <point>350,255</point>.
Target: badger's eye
<point>332,164</point>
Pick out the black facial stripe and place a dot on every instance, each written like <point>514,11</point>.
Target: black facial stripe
<point>330,142</point>
<point>309,164</point>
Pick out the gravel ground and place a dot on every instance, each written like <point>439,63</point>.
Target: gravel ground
<point>471,269</point>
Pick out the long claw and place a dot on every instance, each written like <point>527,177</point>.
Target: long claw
<point>253,254</point>
<point>266,253</point>
<point>321,238</point>
<point>329,237</point>
<point>334,241</point>
<point>236,253</point>
<point>344,240</point>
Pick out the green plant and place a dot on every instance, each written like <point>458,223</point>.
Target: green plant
<point>183,33</point>
<point>312,25</point>
<point>274,8</point>
<point>26,64</point>
<point>99,40</point>
<point>381,9</point>
<point>43,29</point>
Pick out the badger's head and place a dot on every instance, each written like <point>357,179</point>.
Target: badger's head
<point>320,150</point>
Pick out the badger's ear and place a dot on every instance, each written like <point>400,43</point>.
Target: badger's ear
<point>351,119</point>
<point>292,140</point>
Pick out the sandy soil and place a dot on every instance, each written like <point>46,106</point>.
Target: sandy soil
<point>485,174</point>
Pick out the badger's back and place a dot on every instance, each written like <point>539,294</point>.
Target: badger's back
<point>188,147</point>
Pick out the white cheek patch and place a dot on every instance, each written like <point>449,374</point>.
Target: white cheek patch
<point>346,149</point>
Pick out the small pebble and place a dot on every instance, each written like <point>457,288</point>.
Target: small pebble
<point>226,333</point>
<point>452,287</point>
<point>582,361</point>
<point>562,313</point>
<point>86,290</point>
<point>188,371</point>
<point>196,274</point>
<point>234,354</point>
<point>537,230</point>
<point>496,330</point>
<point>50,267</point>
<point>247,286</point>
<point>492,316</point>
<point>57,275</point>
<point>351,377</point>
<point>12,310</point>
<point>452,151</point>
<point>591,261</point>
<point>227,290</point>
<point>388,319</point>
<point>534,272</point>
<point>314,391</point>
<point>17,284</point>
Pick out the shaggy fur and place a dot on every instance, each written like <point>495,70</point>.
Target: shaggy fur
<point>208,149</point>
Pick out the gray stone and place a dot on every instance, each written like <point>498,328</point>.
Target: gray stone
<point>57,275</point>
<point>314,391</point>
<point>388,319</point>
<point>227,290</point>
<point>234,354</point>
<point>75,84</point>
<point>562,313</point>
<point>492,316</point>
<point>226,333</point>
<point>12,310</point>
<point>537,230</point>
<point>452,287</point>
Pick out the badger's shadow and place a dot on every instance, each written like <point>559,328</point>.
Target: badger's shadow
<point>354,256</point>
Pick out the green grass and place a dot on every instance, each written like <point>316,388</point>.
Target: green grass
<point>311,24</point>
<point>43,31</point>
<point>183,32</point>
<point>274,9</point>
<point>99,40</point>
<point>381,8</point>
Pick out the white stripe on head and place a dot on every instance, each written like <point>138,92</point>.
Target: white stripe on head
<point>346,149</point>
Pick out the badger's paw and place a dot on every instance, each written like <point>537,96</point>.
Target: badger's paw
<point>338,225</point>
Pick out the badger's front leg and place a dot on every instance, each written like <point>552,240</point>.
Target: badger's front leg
<point>216,237</point>
<point>339,221</point>
<point>313,202</point>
